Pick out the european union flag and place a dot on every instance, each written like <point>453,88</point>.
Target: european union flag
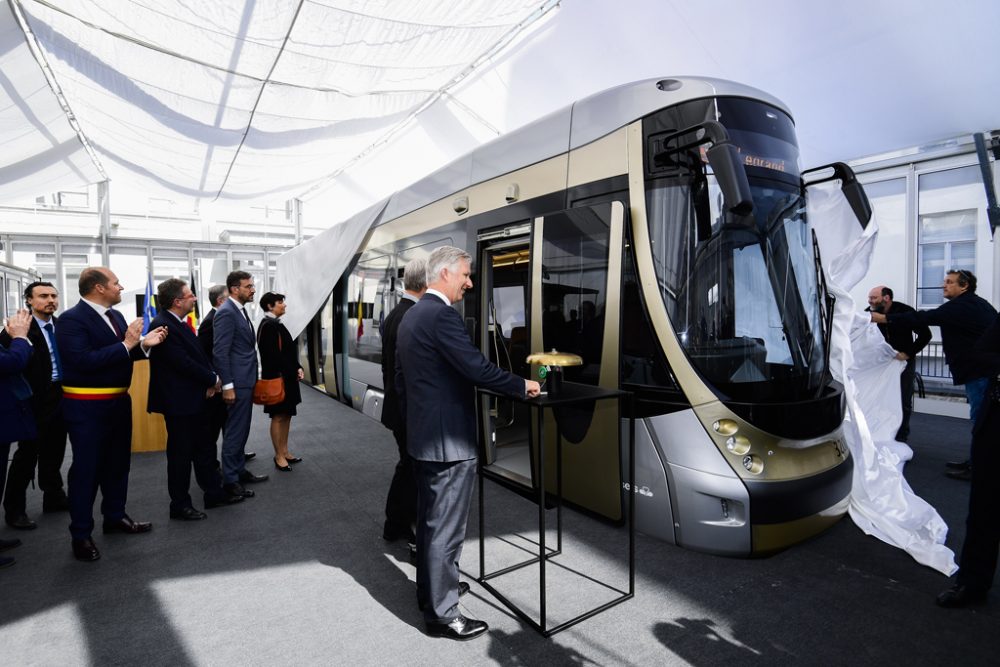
<point>149,309</point>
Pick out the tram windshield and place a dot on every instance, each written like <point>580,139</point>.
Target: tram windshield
<point>742,291</point>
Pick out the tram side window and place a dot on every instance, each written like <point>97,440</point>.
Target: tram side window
<point>368,290</point>
<point>574,287</point>
<point>643,363</point>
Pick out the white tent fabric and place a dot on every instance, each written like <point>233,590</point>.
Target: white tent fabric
<point>41,151</point>
<point>168,90</point>
<point>882,503</point>
<point>258,100</point>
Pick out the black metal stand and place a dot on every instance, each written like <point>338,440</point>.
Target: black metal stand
<point>570,393</point>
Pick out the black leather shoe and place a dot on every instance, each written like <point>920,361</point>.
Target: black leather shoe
<point>961,595</point>
<point>21,522</point>
<point>284,468</point>
<point>463,588</point>
<point>5,561</point>
<point>55,502</point>
<point>9,544</point>
<point>294,459</point>
<point>248,456</point>
<point>247,477</point>
<point>460,629</point>
<point>85,550</point>
<point>188,514</point>
<point>128,526</point>
<point>212,502</point>
<point>236,489</point>
<point>964,475</point>
<point>958,465</point>
<point>392,532</point>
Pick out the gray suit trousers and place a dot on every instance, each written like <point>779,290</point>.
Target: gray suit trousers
<point>444,494</point>
<point>235,434</point>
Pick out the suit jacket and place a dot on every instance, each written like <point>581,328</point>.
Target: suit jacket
<point>16,420</point>
<point>392,416</point>
<point>91,354</point>
<point>206,333</point>
<point>234,349</point>
<point>437,370</point>
<point>39,370</point>
<point>179,370</point>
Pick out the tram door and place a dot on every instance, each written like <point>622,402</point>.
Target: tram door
<point>566,280</point>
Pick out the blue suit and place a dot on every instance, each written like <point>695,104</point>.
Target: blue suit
<point>16,420</point>
<point>100,429</point>
<point>234,353</point>
<point>437,371</point>
<point>180,374</point>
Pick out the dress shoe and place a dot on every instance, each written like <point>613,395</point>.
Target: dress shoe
<point>463,588</point>
<point>55,502</point>
<point>294,459</point>
<point>127,525</point>
<point>459,628</point>
<point>6,561</point>
<point>392,532</point>
<point>958,465</point>
<point>21,522</point>
<point>188,514</point>
<point>965,475</point>
<point>247,477</point>
<point>222,500</point>
<point>85,550</point>
<point>9,544</point>
<point>237,489</point>
<point>282,468</point>
<point>961,595</point>
<point>248,456</point>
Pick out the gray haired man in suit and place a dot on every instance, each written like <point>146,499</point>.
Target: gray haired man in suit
<point>234,353</point>
<point>437,370</point>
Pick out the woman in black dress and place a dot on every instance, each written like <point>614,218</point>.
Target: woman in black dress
<point>279,357</point>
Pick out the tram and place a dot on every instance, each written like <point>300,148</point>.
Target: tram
<point>659,231</point>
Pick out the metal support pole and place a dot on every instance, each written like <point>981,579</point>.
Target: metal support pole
<point>104,217</point>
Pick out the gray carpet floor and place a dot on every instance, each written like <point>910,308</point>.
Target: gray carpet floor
<point>299,575</point>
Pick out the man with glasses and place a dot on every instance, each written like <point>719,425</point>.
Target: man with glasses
<point>963,318</point>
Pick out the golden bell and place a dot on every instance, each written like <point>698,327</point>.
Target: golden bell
<point>554,358</point>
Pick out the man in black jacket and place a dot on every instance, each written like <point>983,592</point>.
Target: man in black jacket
<point>401,503</point>
<point>963,318</point>
<point>44,375</point>
<point>900,337</point>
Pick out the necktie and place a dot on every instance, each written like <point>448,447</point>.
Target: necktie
<point>56,361</point>
<point>114,325</point>
<point>249,323</point>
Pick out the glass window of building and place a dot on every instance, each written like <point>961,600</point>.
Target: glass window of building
<point>254,264</point>
<point>75,258</point>
<point>130,264</point>
<point>210,268</point>
<point>948,218</point>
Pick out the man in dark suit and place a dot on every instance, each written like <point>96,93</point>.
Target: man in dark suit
<point>437,370</point>
<point>180,385</point>
<point>234,354</point>
<point>97,350</point>
<point>900,336</point>
<point>217,295</point>
<point>401,503</point>
<point>16,420</point>
<point>44,375</point>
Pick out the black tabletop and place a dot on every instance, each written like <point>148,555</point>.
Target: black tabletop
<point>569,392</point>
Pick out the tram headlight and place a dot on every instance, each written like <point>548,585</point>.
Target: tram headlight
<point>753,464</point>
<point>738,444</point>
<point>726,427</point>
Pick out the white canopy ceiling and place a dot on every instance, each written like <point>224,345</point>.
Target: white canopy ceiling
<point>343,101</point>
